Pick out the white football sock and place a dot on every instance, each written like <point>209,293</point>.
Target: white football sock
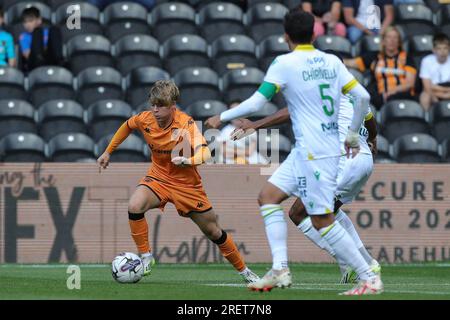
<point>312,234</point>
<point>347,224</point>
<point>145,255</point>
<point>276,232</point>
<point>244,271</point>
<point>345,249</point>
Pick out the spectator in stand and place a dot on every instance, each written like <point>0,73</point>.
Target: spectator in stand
<point>243,151</point>
<point>7,51</point>
<point>39,45</point>
<point>365,16</point>
<point>435,72</point>
<point>101,4</point>
<point>392,69</point>
<point>327,15</point>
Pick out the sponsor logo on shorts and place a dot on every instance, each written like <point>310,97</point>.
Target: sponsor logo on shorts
<point>200,205</point>
<point>302,186</point>
<point>311,204</point>
<point>317,175</point>
<point>147,129</point>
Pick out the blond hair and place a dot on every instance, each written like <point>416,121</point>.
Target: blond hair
<point>164,93</point>
<point>400,40</point>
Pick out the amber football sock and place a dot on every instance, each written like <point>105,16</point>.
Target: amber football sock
<point>230,251</point>
<point>139,231</point>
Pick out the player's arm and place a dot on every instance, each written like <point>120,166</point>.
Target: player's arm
<point>121,134</point>
<point>201,155</point>
<point>371,125</point>
<point>360,106</point>
<point>245,127</point>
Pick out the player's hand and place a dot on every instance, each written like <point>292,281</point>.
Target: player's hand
<point>351,144</point>
<point>213,122</point>
<point>103,161</point>
<point>244,127</point>
<point>180,161</point>
<point>373,147</point>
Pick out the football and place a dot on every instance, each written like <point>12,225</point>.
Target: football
<point>127,267</point>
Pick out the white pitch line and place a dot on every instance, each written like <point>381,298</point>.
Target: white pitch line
<point>52,266</point>
<point>302,287</point>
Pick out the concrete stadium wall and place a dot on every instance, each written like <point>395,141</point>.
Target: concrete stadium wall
<point>70,213</point>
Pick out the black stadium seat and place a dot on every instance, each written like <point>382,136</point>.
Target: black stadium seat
<point>336,43</point>
<point>269,49</point>
<point>197,84</point>
<point>60,116</point>
<point>13,14</point>
<point>172,18</point>
<point>232,52</point>
<point>240,84</point>
<point>291,4</point>
<point>69,147</point>
<point>16,116</point>
<point>265,19</point>
<point>399,117</point>
<point>136,50</point>
<point>22,147</point>
<point>202,110</point>
<point>89,19</point>
<point>416,19</point>
<point>383,155</point>
<point>420,46</point>
<point>139,82</point>
<point>124,18</point>
<point>446,150</point>
<point>98,83</point>
<point>12,84</point>
<point>132,149</point>
<point>48,83</point>
<point>220,18</point>
<point>368,44</point>
<point>416,148</point>
<point>106,116</point>
<point>185,50</point>
<point>55,4</point>
<point>251,3</point>
<point>88,50</point>
<point>440,118</point>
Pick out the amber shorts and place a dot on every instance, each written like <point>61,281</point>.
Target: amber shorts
<point>186,199</point>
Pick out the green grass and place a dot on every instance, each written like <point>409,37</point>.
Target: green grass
<point>215,281</point>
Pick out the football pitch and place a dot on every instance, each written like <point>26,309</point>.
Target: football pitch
<point>215,281</point>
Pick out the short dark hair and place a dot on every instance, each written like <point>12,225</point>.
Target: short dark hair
<point>440,38</point>
<point>299,26</point>
<point>31,12</point>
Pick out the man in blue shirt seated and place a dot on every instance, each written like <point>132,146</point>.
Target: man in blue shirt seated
<point>7,52</point>
<point>39,45</point>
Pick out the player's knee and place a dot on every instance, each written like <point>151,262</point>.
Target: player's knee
<point>136,207</point>
<point>213,233</point>
<point>265,197</point>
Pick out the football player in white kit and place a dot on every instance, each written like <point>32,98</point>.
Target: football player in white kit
<point>311,82</point>
<point>352,175</point>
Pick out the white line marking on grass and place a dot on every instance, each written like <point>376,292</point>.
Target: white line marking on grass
<point>341,287</point>
<point>51,266</point>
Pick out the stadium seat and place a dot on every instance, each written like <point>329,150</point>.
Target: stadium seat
<point>400,117</point>
<point>239,85</point>
<point>336,43</point>
<point>202,110</point>
<point>48,83</point>
<point>185,50</point>
<point>88,50</point>
<point>125,18</point>
<point>265,19</point>
<point>291,4</point>
<point>251,3</point>
<point>106,116</point>
<point>69,147</point>
<point>279,152</point>
<point>416,19</point>
<point>421,46</point>
<point>367,44</point>
<point>220,18</point>
<point>440,119</point>
<point>16,116</point>
<point>267,110</point>
<point>416,148</point>
<point>60,116</point>
<point>13,14</point>
<point>172,18</point>
<point>22,147</point>
<point>269,49</point>
<point>98,83</point>
<point>383,155</point>
<point>232,52</point>
<point>89,19</point>
<point>446,150</point>
<point>359,76</point>
<point>55,4</point>
<point>12,84</point>
<point>132,149</point>
<point>139,82</point>
<point>136,50</point>
<point>197,84</point>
